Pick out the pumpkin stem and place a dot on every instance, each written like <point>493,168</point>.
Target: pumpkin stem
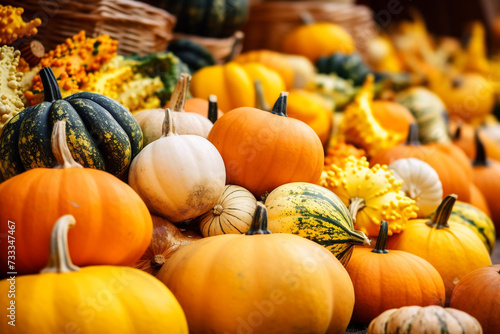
<point>356,204</point>
<point>259,222</point>
<point>458,132</point>
<point>180,93</point>
<point>279,107</point>
<point>60,148</point>
<point>480,159</point>
<point>443,212</point>
<point>382,239</point>
<point>213,109</point>
<point>260,101</point>
<point>59,259</point>
<point>412,138</point>
<point>218,209</point>
<point>236,48</point>
<point>157,261</point>
<point>306,17</point>
<point>51,89</point>
<point>168,128</point>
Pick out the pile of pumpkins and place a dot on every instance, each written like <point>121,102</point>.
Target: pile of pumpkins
<point>268,215</point>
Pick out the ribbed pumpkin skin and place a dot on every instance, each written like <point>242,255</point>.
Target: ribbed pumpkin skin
<point>395,279</point>
<point>97,299</point>
<point>478,294</point>
<point>114,226</point>
<point>262,151</point>
<point>453,251</point>
<point>266,284</point>
<point>101,134</point>
<point>209,18</point>
<point>233,213</point>
<point>315,213</point>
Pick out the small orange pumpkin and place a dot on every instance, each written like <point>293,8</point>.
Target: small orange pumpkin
<point>385,279</point>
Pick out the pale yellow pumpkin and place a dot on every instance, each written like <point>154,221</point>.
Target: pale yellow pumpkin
<point>179,177</point>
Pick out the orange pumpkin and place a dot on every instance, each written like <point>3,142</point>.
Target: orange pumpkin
<point>486,177</point>
<point>393,116</point>
<point>318,39</point>
<point>313,110</point>
<point>260,283</point>
<point>451,164</point>
<point>263,150</point>
<point>478,294</point>
<point>115,225</point>
<point>452,248</point>
<point>200,106</point>
<point>478,200</point>
<point>385,279</point>
<point>463,137</point>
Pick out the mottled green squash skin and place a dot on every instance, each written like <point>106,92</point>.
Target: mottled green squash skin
<point>194,55</point>
<point>315,213</point>
<point>210,18</point>
<point>100,132</point>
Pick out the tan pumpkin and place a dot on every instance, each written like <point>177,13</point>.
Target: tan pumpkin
<point>179,177</point>
<point>430,320</point>
<point>186,123</point>
<point>233,213</point>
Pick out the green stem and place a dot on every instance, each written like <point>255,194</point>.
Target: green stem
<point>60,148</point>
<point>59,259</point>
<point>382,239</point>
<point>279,107</point>
<point>51,89</point>
<point>356,204</point>
<point>443,212</point>
<point>306,17</point>
<point>213,109</point>
<point>480,159</point>
<point>260,101</point>
<point>180,93</point>
<point>412,138</point>
<point>259,222</point>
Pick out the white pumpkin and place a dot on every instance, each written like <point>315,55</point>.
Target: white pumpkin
<point>179,177</point>
<point>420,182</point>
<point>233,213</point>
<point>186,123</point>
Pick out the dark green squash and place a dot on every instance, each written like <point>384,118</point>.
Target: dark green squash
<point>209,18</point>
<point>194,55</point>
<point>101,133</point>
<point>349,67</point>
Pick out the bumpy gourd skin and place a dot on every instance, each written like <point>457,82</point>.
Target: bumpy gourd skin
<point>12,25</point>
<point>11,94</point>
<point>378,191</point>
<point>359,126</point>
<point>72,61</point>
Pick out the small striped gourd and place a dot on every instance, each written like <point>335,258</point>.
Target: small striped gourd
<point>316,213</point>
<point>233,213</point>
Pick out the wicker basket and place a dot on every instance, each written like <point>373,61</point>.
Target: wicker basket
<point>138,27</point>
<point>268,22</point>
